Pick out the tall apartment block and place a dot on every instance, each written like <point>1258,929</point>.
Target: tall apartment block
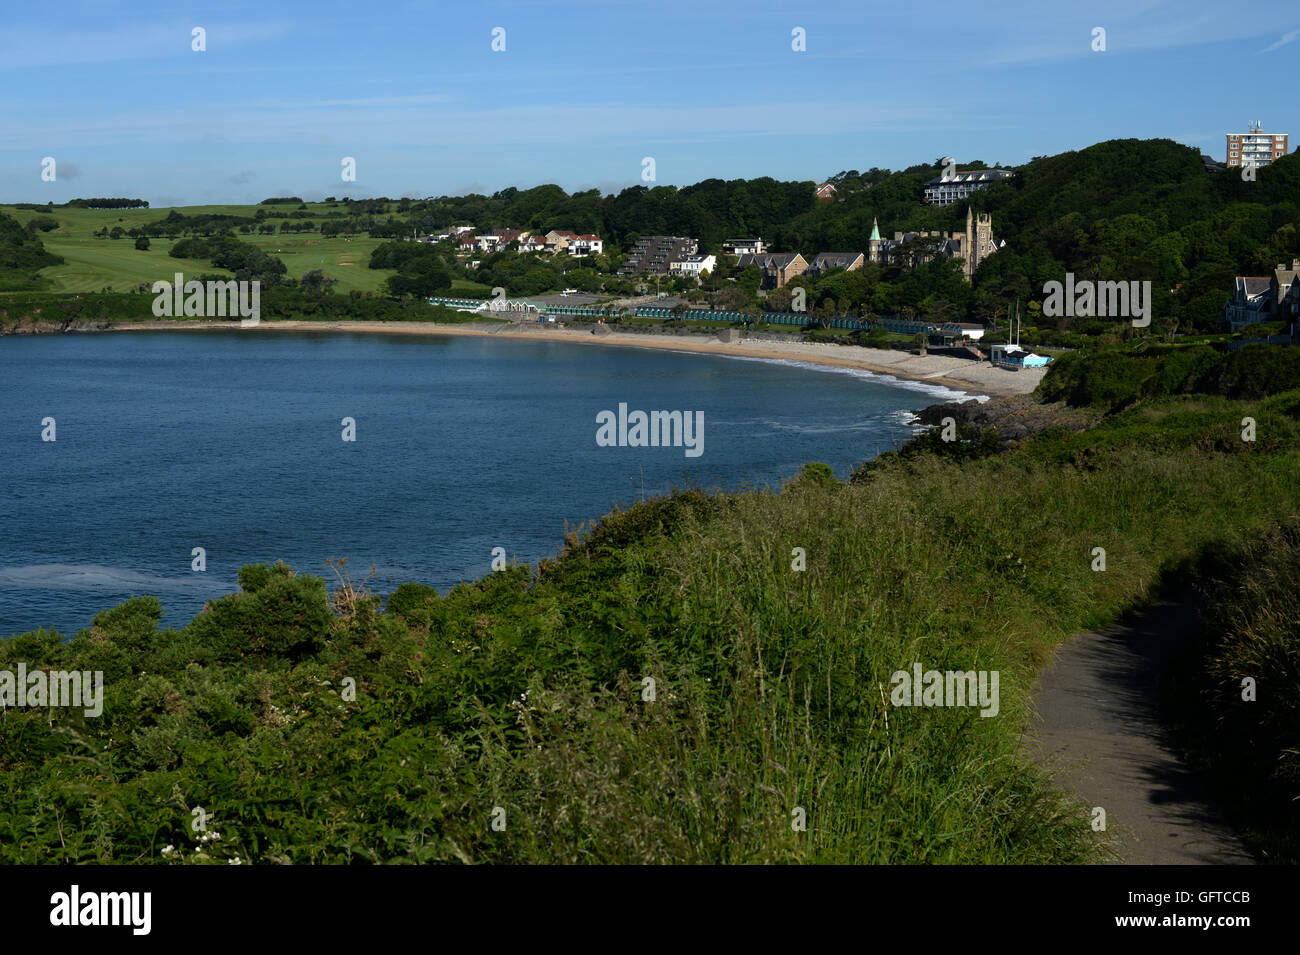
<point>1256,147</point>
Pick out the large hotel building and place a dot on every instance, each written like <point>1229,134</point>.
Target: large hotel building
<point>1256,148</point>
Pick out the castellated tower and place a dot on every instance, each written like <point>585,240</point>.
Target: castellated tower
<point>979,240</point>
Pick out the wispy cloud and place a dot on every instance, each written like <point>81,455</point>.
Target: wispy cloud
<point>1286,38</point>
<point>27,48</point>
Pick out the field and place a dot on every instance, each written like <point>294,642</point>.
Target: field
<point>95,264</point>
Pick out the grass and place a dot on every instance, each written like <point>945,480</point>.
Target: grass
<point>525,690</point>
<point>93,264</point>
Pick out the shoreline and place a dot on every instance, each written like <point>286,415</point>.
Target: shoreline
<point>974,379</point>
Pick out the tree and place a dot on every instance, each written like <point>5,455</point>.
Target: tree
<point>142,243</point>
<point>316,282</point>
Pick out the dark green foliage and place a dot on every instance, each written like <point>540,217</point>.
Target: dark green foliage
<point>278,615</point>
<point>1115,378</point>
<point>247,262</point>
<point>22,255</point>
<point>815,474</point>
<point>107,204</point>
<point>1255,371</point>
<point>1251,748</point>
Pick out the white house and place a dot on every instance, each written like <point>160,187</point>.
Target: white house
<point>694,265</point>
<point>586,244</point>
<point>739,247</point>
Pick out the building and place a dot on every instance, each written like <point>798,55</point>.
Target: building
<point>653,254</point>
<point>581,245</point>
<point>468,241</point>
<point>826,192</point>
<point>1211,165</point>
<point>1256,147</point>
<point>962,330</point>
<point>532,243</point>
<point>694,265</point>
<point>825,261</point>
<point>1264,298</point>
<point>972,246</point>
<point>739,247</point>
<point>945,190</point>
<point>1014,355</point>
<point>497,239</point>
<point>778,267</point>
<point>558,241</point>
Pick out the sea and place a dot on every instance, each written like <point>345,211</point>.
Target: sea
<point>124,457</point>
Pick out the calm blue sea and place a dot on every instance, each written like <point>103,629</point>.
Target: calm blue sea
<point>233,443</point>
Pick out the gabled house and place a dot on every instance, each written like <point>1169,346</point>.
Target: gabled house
<point>825,261</point>
<point>532,243</point>
<point>778,267</point>
<point>693,265</point>
<point>826,192</point>
<point>1254,299</point>
<point>586,244</point>
<point>467,241</point>
<point>558,240</point>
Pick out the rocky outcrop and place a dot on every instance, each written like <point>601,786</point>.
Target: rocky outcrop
<point>1014,418</point>
<point>53,328</point>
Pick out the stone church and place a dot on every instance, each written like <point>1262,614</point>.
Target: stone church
<point>972,246</point>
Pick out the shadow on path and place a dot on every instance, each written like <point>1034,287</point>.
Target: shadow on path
<point>1096,726</point>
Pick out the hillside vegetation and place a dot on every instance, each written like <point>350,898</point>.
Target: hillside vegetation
<point>521,698</point>
<point>1124,210</point>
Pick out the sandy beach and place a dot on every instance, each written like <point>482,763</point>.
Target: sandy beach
<point>969,376</point>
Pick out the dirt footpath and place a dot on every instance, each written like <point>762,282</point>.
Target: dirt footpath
<point>1098,729</point>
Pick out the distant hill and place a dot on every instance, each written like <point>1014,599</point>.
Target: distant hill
<point>1130,210</point>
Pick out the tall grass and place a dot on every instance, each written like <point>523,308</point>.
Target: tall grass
<point>525,692</point>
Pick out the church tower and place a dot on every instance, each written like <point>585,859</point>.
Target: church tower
<point>979,240</point>
<point>873,244</point>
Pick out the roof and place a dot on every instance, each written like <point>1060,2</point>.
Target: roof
<point>769,260</point>
<point>831,260</point>
<point>1252,285</point>
<point>973,175</point>
<point>588,237</point>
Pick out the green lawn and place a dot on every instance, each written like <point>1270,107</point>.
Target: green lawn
<point>93,264</point>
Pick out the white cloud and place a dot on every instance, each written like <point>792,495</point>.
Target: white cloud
<point>1286,38</point>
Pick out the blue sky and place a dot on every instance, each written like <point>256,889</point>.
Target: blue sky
<point>585,90</point>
